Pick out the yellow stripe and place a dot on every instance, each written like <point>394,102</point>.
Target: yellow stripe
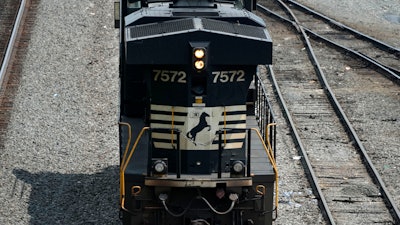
<point>183,118</point>
<point>233,108</point>
<point>164,126</point>
<point>168,117</point>
<point>228,146</point>
<point>234,117</point>
<point>168,108</point>
<point>234,145</point>
<point>237,126</point>
<point>165,136</point>
<point>180,109</point>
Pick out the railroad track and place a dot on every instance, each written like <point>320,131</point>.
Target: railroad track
<point>16,20</point>
<point>342,36</point>
<point>8,17</point>
<point>322,28</point>
<point>340,171</point>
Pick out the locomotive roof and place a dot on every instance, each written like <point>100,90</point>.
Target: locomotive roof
<point>188,25</point>
<point>163,11</point>
<point>230,43</point>
<point>235,36</point>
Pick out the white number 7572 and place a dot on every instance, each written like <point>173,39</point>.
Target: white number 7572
<point>228,76</point>
<point>169,76</point>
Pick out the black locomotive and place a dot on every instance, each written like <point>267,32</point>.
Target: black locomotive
<point>190,150</point>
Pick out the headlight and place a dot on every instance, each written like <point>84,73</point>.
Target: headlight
<point>199,57</point>
<point>160,167</point>
<point>199,64</point>
<point>237,169</point>
<point>199,53</point>
<point>238,166</point>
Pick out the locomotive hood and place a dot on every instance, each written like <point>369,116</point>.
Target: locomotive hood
<point>229,43</point>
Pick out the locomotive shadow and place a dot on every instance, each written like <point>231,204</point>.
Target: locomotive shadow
<point>57,198</point>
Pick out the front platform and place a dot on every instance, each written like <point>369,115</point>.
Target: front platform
<point>261,168</point>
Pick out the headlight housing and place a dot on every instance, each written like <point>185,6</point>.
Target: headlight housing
<point>237,168</point>
<point>160,167</point>
<point>199,58</point>
<point>199,51</point>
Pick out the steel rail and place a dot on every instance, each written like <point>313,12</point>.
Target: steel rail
<point>345,122</point>
<point>381,45</point>
<point>389,72</point>
<point>377,43</point>
<point>312,178</point>
<point>13,38</point>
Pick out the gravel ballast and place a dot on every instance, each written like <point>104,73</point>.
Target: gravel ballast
<point>59,164</point>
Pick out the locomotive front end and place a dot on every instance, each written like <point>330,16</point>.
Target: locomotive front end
<point>190,152</point>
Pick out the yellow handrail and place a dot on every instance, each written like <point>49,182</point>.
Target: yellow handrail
<point>124,165</point>
<point>268,150</point>
<point>125,161</point>
<point>225,126</point>
<point>266,136</point>
<point>129,139</point>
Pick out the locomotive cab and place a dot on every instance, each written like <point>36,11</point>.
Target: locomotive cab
<point>190,152</point>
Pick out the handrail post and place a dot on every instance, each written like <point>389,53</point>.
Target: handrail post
<point>248,152</point>
<point>149,153</point>
<point>219,153</point>
<point>178,146</point>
